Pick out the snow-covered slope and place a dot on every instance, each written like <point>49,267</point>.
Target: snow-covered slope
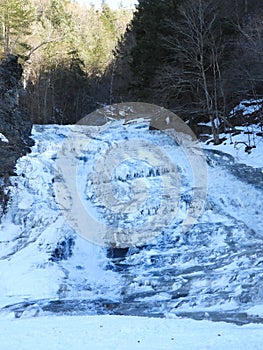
<point>212,269</point>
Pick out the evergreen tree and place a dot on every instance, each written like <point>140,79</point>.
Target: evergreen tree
<point>109,21</point>
<point>71,48</point>
<point>149,27</point>
<point>16,19</point>
<point>188,56</point>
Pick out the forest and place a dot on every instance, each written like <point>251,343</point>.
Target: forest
<point>198,58</point>
<point>65,49</point>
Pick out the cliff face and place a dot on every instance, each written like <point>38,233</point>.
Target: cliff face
<point>15,125</point>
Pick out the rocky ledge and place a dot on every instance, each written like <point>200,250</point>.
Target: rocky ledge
<point>15,124</point>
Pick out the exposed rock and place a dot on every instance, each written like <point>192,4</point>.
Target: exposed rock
<point>63,250</point>
<point>15,124</point>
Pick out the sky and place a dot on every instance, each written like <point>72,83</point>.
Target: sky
<point>111,3</point>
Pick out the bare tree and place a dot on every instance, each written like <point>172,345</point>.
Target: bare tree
<point>250,54</point>
<point>194,75</point>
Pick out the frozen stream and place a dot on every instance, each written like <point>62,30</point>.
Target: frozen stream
<point>214,270</point>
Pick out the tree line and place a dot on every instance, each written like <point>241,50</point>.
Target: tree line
<point>198,58</point>
<point>64,48</point>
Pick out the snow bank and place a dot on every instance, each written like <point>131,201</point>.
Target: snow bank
<point>235,146</point>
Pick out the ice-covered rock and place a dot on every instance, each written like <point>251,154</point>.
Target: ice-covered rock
<point>212,268</point>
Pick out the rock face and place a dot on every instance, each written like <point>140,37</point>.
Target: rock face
<point>15,125</point>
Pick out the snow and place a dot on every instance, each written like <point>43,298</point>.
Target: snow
<point>49,266</point>
<point>235,146</point>
<point>126,161</point>
<point>3,138</point>
<point>256,311</point>
<point>118,333</point>
<point>35,223</point>
<point>247,107</point>
<point>32,228</point>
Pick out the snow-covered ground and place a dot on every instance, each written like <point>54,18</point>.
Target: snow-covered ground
<point>206,266</point>
<point>120,332</point>
<point>236,145</point>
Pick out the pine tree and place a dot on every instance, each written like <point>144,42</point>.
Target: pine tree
<point>149,26</point>
<point>108,19</point>
<point>16,19</point>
